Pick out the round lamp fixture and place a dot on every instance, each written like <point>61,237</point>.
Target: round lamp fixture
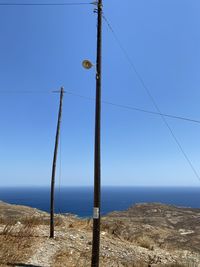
<point>87,64</point>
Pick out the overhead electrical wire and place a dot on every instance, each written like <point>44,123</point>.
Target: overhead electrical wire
<point>152,112</point>
<point>134,69</point>
<point>136,109</point>
<point>24,92</point>
<point>46,4</point>
<point>127,107</point>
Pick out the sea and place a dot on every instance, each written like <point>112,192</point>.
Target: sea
<point>79,200</point>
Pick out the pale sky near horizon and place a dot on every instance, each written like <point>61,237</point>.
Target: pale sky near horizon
<point>42,48</point>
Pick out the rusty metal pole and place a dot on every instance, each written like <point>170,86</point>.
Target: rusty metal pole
<point>97,155</point>
<point>54,165</point>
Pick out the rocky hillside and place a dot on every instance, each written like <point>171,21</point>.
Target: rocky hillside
<point>144,235</point>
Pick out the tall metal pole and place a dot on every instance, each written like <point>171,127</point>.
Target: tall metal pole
<point>97,155</point>
<point>54,165</point>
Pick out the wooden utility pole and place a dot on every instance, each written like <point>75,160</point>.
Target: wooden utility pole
<point>97,154</point>
<point>54,165</point>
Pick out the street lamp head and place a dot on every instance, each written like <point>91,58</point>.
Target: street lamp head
<point>87,64</point>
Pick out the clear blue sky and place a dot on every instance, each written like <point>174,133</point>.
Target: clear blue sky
<point>41,49</point>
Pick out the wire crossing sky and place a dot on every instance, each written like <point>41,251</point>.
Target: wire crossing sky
<point>44,48</point>
<point>46,4</point>
<point>106,102</point>
<point>153,101</point>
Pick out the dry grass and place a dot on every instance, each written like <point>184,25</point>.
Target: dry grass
<point>19,239</point>
<point>81,224</point>
<point>83,259</point>
<point>72,258</point>
<point>175,265</point>
<point>141,264</point>
<point>145,242</point>
<point>41,220</point>
<point>16,242</point>
<point>33,220</point>
<point>137,264</point>
<point>4,221</point>
<point>181,265</point>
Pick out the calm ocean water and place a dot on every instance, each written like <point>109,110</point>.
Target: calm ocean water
<point>79,200</point>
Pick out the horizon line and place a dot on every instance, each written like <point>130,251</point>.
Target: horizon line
<point>103,186</point>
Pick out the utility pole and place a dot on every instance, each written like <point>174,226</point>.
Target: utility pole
<point>97,153</point>
<point>54,165</point>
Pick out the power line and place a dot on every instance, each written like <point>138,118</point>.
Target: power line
<point>46,4</point>
<point>23,92</point>
<point>152,112</point>
<point>127,107</point>
<point>136,109</point>
<point>134,69</point>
